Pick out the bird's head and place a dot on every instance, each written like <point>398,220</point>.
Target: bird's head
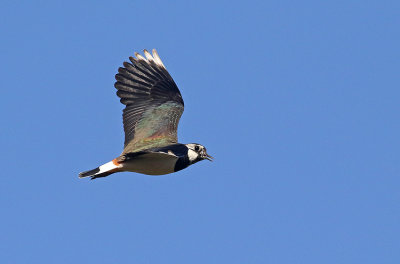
<point>197,152</point>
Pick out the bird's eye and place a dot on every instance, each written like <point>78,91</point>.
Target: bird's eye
<point>196,148</point>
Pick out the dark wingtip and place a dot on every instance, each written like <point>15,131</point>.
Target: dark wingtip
<point>89,173</point>
<point>126,64</point>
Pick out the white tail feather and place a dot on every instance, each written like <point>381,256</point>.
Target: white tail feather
<point>107,167</point>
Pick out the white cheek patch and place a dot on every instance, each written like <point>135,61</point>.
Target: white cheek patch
<point>192,155</point>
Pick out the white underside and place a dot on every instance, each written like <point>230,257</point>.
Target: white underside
<point>151,164</point>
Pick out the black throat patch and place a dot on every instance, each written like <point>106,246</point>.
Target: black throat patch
<point>181,163</point>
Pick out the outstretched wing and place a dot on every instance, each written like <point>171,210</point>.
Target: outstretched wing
<point>153,102</point>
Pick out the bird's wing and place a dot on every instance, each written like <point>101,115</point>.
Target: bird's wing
<point>153,102</point>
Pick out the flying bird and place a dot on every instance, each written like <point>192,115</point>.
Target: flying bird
<point>154,106</point>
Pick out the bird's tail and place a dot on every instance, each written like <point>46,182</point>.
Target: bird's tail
<point>102,171</point>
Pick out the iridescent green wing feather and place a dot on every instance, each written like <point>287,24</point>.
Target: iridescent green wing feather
<point>153,102</point>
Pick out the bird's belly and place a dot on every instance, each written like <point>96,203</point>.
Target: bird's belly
<point>151,164</point>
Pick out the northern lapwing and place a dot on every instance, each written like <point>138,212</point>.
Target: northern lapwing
<point>154,106</point>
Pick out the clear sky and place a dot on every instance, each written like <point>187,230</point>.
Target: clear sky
<point>298,101</point>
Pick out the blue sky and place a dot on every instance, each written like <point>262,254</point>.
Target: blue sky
<point>297,100</point>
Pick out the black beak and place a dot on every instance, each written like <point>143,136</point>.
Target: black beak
<point>208,157</point>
